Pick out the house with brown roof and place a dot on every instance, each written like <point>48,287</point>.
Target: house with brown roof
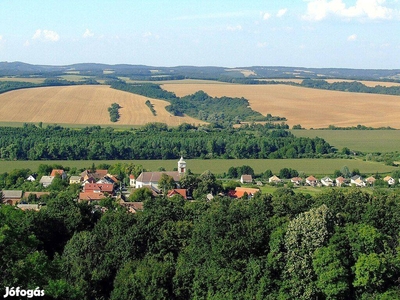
<point>311,180</point>
<point>11,197</point>
<point>91,196</point>
<point>296,180</point>
<point>133,207</point>
<point>246,179</point>
<point>370,180</point>
<point>97,175</point>
<point>37,195</point>
<point>152,178</point>
<point>341,181</point>
<point>182,192</point>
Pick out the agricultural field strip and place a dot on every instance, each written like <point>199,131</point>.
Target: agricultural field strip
<point>312,108</point>
<point>82,105</point>
<point>316,167</point>
<point>357,140</point>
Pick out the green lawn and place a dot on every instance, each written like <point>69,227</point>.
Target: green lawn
<point>315,167</point>
<point>358,140</point>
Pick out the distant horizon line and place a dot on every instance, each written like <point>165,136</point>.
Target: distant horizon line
<point>188,65</point>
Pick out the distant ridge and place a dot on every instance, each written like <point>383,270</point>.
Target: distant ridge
<point>206,72</point>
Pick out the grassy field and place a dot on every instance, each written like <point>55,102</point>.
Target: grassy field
<point>358,140</point>
<point>28,79</point>
<point>82,105</point>
<point>317,167</point>
<point>312,108</point>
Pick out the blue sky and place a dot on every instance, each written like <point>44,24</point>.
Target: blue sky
<point>236,33</point>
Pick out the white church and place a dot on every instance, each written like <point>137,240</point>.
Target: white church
<point>152,178</point>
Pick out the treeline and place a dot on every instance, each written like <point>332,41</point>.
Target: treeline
<point>6,86</point>
<point>339,244</point>
<point>155,141</point>
<point>355,87</point>
<point>358,127</point>
<point>199,105</point>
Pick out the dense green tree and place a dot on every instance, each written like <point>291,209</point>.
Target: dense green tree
<point>166,183</point>
<point>140,195</point>
<point>305,234</point>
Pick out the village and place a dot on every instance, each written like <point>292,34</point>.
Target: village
<point>96,185</point>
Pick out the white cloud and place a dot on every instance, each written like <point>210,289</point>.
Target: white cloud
<point>352,37</point>
<point>37,34</point>
<point>27,43</point>
<point>266,16</point>
<point>262,44</point>
<point>372,9</point>
<point>87,33</point>
<point>149,34</point>
<point>281,12</point>
<point>45,34</point>
<point>234,28</point>
<point>1,38</point>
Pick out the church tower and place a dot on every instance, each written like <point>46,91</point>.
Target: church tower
<point>181,166</point>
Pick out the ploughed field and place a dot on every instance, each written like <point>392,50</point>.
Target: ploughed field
<point>82,105</point>
<point>312,108</point>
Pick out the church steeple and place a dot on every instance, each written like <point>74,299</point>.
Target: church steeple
<point>181,166</point>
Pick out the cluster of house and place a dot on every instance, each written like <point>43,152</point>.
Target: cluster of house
<point>99,184</point>
<point>356,180</point>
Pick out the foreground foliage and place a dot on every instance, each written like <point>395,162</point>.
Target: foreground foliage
<point>340,244</point>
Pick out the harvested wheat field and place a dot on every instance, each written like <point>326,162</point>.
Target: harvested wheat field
<point>312,108</point>
<point>82,105</point>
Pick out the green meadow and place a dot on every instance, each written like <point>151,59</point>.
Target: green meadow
<point>315,167</point>
<point>357,140</point>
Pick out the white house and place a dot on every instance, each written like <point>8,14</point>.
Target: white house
<point>389,180</point>
<point>296,180</point>
<point>311,180</point>
<point>274,179</point>
<point>340,181</point>
<point>326,181</point>
<point>132,181</point>
<point>46,180</point>
<point>246,179</point>
<point>357,180</point>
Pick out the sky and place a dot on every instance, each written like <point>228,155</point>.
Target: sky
<point>363,34</point>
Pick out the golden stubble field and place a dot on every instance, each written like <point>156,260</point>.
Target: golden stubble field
<point>82,105</point>
<point>312,108</point>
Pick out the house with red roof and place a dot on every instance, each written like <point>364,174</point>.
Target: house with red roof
<point>132,180</point>
<point>99,188</point>
<point>311,180</point>
<point>60,172</point>
<point>239,192</point>
<point>182,192</point>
